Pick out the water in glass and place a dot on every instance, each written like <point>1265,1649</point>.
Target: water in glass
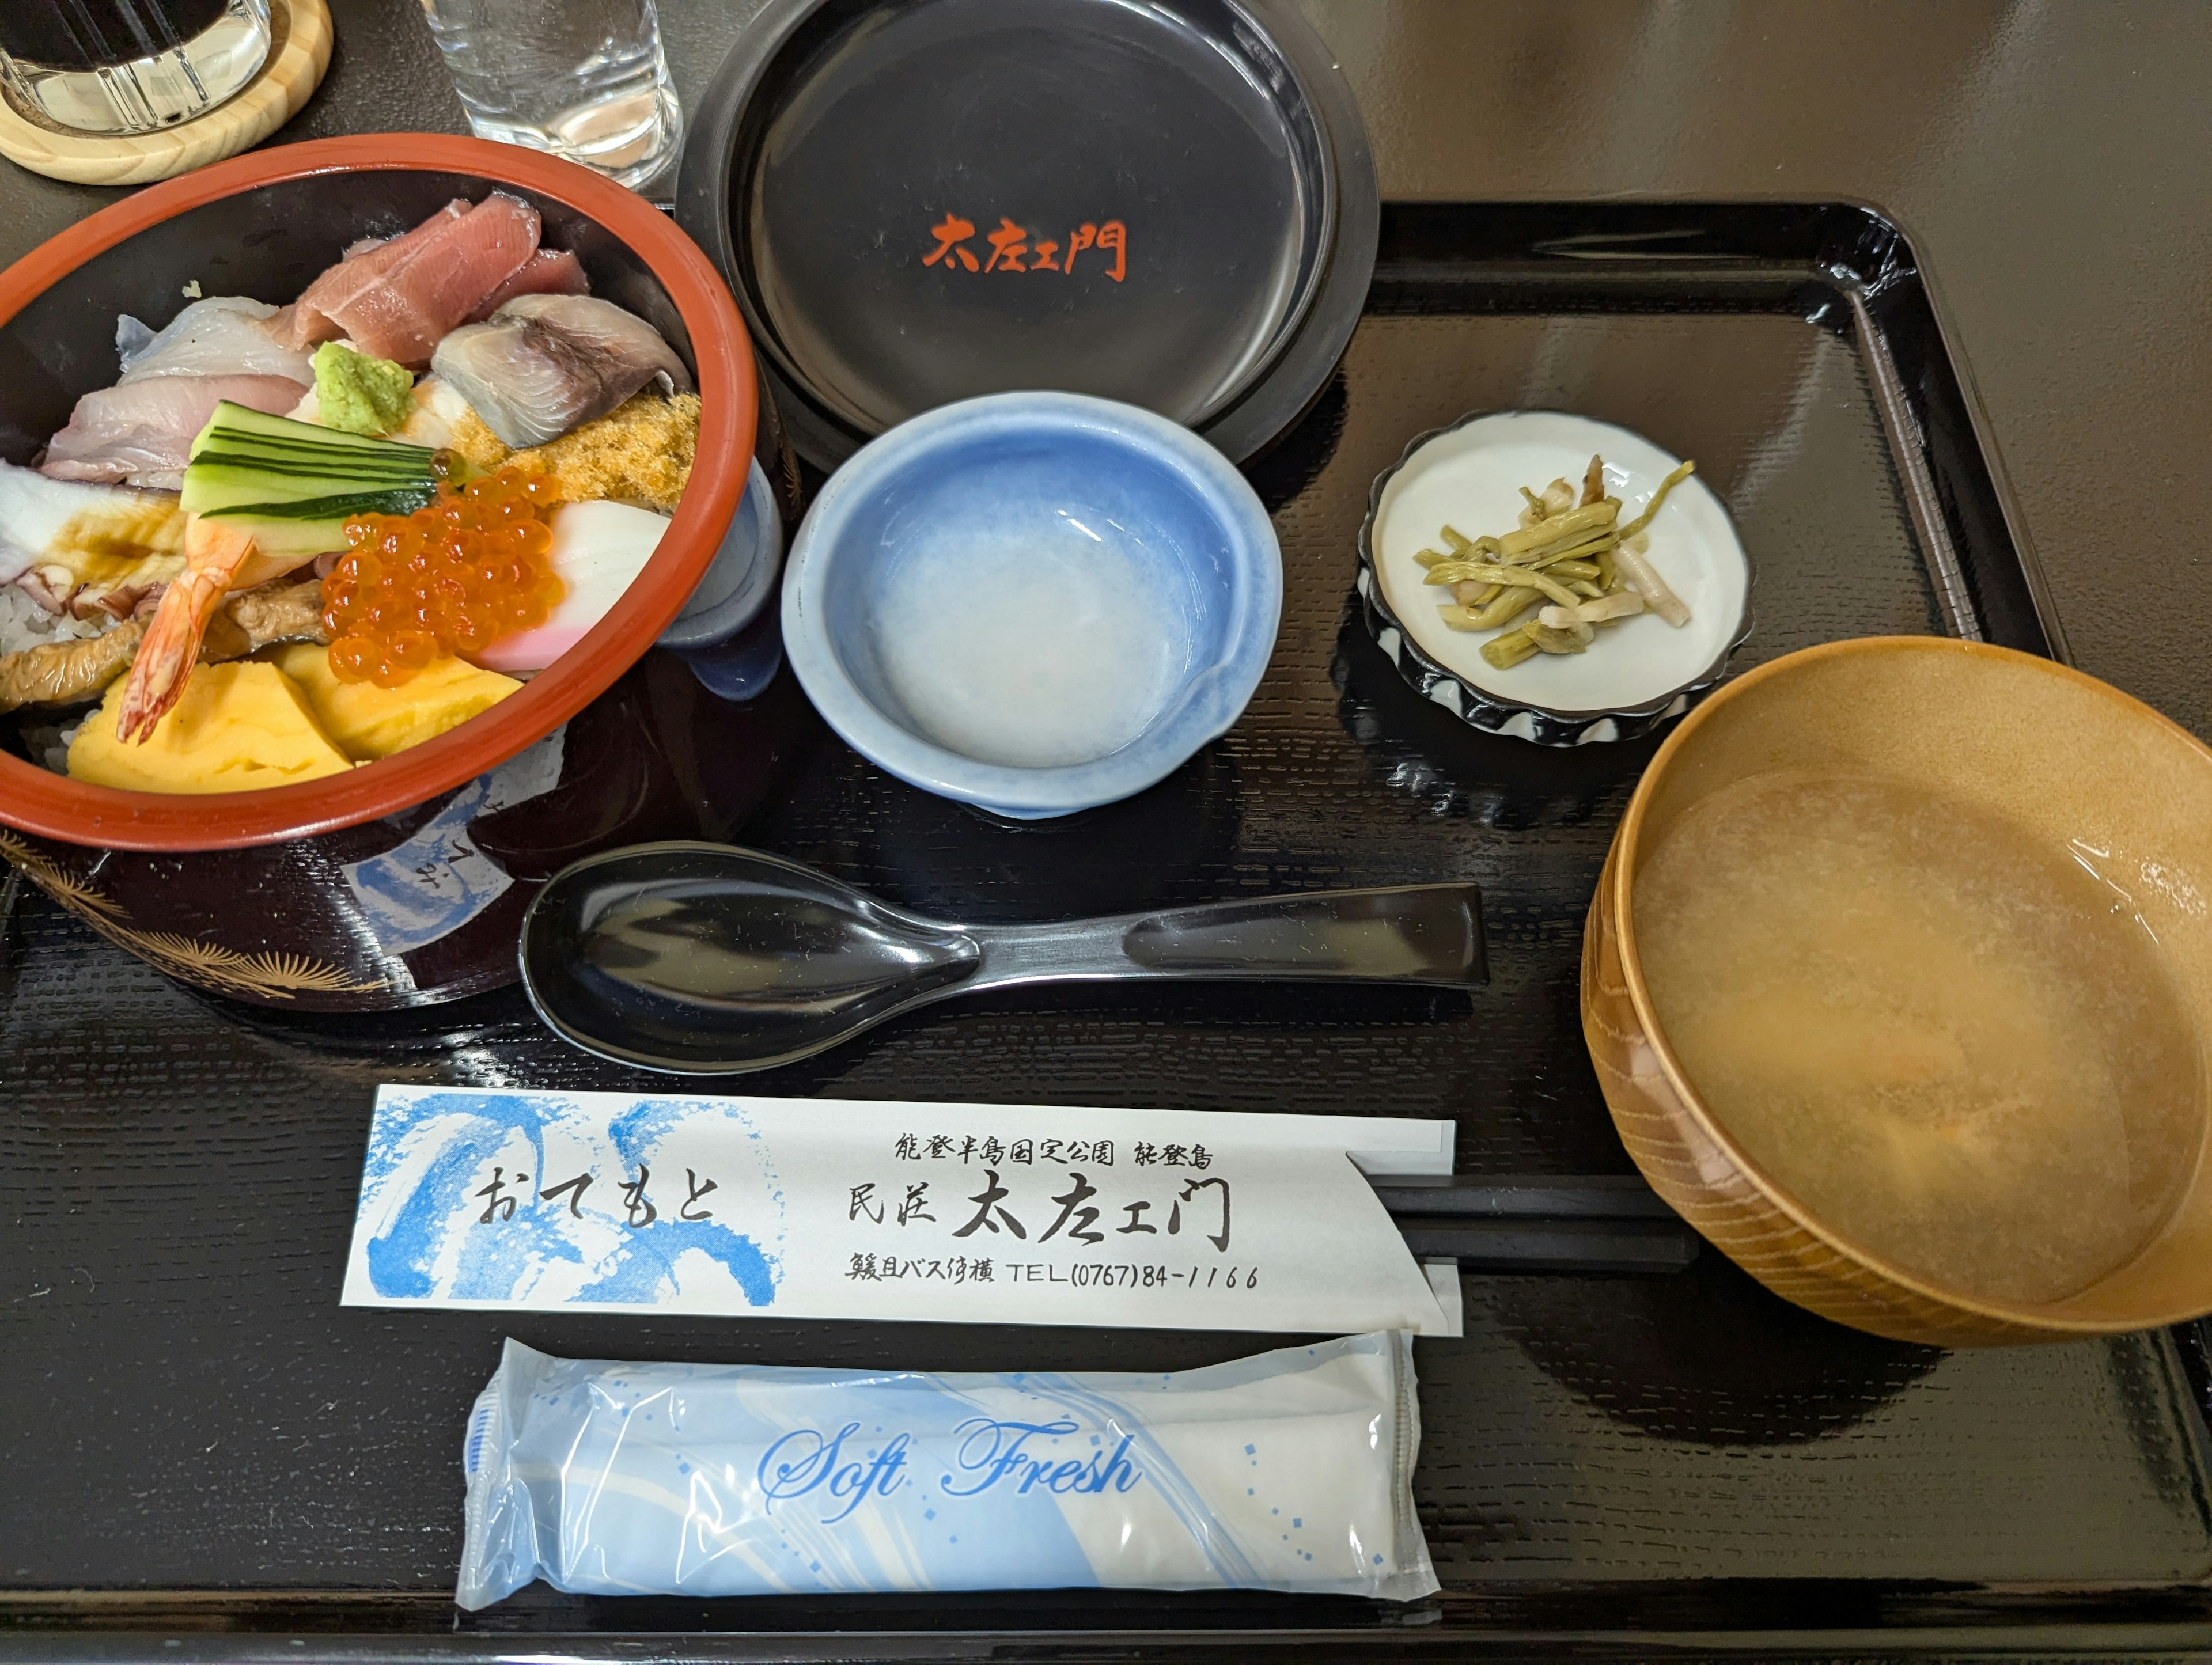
<point>129,66</point>
<point>584,79</point>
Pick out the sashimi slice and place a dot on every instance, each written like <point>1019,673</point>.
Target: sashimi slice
<point>549,271</point>
<point>437,409</point>
<point>402,314</point>
<point>544,363</point>
<point>71,535</point>
<point>364,263</point>
<point>598,547</point>
<point>142,431</point>
<point>225,335</point>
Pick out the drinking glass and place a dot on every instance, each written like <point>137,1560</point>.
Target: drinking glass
<point>129,66</point>
<point>584,79</point>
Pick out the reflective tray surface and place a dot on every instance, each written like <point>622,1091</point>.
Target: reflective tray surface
<point>195,1436</point>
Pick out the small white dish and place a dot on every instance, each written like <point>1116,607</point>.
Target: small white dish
<point>1034,603</point>
<point>1641,671</point>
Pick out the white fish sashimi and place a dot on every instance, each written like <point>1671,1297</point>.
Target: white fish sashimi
<point>544,363</point>
<point>437,408</point>
<point>142,431</point>
<point>598,549</point>
<point>63,536</point>
<point>225,335</point>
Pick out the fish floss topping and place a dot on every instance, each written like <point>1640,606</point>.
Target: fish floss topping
<point>1290,1471</point>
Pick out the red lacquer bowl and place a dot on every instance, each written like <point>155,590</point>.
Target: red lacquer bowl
<point>264,225</point>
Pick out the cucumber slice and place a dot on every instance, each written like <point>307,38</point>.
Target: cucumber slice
<point>285,538</point>
<point>222,488</point>
<point>251,426</point>
<point>340,507</point>
<point>294,485</point>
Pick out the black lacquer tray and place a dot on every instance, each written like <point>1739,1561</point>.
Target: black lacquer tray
<point>197,1444</point>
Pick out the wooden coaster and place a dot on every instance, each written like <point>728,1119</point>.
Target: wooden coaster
<point>299,52</point>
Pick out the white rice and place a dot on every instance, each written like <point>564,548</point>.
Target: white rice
<point>47,744</point>
<point>24,624</point>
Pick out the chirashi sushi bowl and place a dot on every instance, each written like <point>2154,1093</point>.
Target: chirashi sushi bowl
<point>334,476</point>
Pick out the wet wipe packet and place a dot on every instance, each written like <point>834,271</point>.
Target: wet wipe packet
<point>1288,1471</point>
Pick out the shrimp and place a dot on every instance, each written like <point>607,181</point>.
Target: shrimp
<point>218,559</point>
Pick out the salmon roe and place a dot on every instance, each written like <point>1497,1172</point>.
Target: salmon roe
<point>449,580</point>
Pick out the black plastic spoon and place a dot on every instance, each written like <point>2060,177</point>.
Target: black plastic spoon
<point>701,959</point>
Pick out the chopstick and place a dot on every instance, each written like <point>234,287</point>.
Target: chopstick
<point>1540,1223</point>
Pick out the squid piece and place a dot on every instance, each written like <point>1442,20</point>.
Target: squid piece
<point>82,547</point>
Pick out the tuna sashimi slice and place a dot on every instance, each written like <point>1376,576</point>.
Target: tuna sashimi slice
<point>403,314</point>
<point>364,263</point>
<point>549,271</point>
<point>142,431</point>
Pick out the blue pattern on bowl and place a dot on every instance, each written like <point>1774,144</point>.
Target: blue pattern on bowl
<point>1006,468</point>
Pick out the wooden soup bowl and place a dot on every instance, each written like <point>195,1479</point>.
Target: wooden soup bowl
<point>2061,755</point>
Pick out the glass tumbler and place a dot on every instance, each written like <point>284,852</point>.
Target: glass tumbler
<point>129,66</point>
<point>584,79</point>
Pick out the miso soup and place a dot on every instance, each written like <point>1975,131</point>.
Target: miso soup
<point>1953,1043</point>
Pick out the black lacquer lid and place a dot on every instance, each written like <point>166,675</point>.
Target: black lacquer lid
<point>919,201</point>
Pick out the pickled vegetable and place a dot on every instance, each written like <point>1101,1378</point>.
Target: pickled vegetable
<point>1570,555</point>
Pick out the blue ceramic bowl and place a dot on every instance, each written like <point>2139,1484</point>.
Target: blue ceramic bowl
<point>1034,603</point>
<point>725,633</point>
